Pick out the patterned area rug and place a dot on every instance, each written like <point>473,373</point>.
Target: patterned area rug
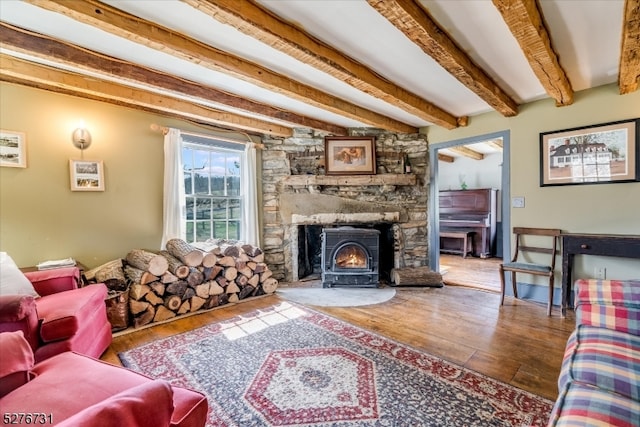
<point>292,366</point>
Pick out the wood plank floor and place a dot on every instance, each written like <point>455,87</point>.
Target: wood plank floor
<point>473,272</point>
<point>517,343</point>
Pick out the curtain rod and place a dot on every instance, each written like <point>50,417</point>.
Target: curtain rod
<point>164,130</point>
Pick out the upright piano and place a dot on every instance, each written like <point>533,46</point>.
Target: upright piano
<point>470,210</point>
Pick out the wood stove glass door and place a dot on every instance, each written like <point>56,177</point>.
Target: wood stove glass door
<point>351,256</point>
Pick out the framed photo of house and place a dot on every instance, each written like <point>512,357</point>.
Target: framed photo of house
<point>348,155</point>
<point>13,149</point>
<point>597,154</point>
<point>86,175</point>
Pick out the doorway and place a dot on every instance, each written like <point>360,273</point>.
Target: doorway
<point>441,179</point>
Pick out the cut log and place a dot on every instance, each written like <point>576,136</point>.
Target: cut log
<point>163,313</point>
<point>176,266</point>
<point>230,273</point>
<point>158,288</point>
<point>245,271</point>
<point>209,259</point>
<point>212,301</point>
<point>177,288</point>
<point>254,280</point>
<point>232,288</point>
<point>197,303</point>
<point>227,261</point>
<point>185,307</point>
<point>233,298</point>
<point>261,267</point>
<point>153,298</point>
<point>186,253</point>
<point>169,277</point>
<point>173,302</point>
<point>416,276</point>
<point>246,291</point>
<point>109,270</point>
<point>269,286</point>
<point>195,277</point>
<point>265,275</point>
<point>148,261</point>
<point>241,280</point>
<point>252,265</point>
<point>231,250</point>
<point>202,290</point>
<point>138,291</point>
<point>258,258</point>
<point>212,273</point>
<point>137,307</point>
<point>188,293</point>
<point>215,288</point>
<point>222,281</point>
<point>145,317</point>
<point>251,250</point>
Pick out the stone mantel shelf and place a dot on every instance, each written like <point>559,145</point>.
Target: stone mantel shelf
<point>353,180</point>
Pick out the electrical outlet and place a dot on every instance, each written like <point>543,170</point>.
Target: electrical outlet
<point>600,272</point>
<point>517,202</point>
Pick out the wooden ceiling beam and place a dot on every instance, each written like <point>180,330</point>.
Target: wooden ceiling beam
<point>467,152</point>
<point>496,143</point>
<point>410,18</point>
<point>14,69</point>
<point>253,20</point>
<point>38,46</point>
<point>629,74</point>
<point>146,33</point>
<point>524,19</point>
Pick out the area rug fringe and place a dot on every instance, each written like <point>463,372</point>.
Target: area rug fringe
<point>293,366</point>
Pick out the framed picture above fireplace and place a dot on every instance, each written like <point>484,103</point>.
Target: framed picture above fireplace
<point>350,155</point>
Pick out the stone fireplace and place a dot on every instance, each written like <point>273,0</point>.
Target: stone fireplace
<point>300,201</point>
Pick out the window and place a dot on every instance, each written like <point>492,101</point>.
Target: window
<point>212,182</point>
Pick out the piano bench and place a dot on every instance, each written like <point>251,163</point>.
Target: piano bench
<point>465,236</point>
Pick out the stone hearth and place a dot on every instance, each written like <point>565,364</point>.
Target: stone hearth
<point>296,194</point>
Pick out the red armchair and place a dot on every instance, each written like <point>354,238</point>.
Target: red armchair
<point>73,390</point>
<point>64,317</point>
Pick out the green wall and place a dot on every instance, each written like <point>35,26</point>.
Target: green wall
<point>41,218</point>
<point>602,208</point>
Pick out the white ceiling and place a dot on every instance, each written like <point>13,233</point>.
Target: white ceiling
<point>585,34</point>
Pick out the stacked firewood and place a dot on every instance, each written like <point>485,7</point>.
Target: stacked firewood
<point>184,278</point>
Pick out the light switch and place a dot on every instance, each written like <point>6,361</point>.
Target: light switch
<point>517,202</point>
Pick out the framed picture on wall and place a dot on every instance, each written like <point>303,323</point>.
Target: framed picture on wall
<point>597,154</point>
<point>86,175</point>
<point>345,155</point>
<point>13,149</point>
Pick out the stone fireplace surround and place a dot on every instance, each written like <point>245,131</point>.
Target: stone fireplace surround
<point>296,194</point>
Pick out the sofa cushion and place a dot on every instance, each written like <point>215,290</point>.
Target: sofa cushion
<point>63,313</point>
<point>12,280</point>
<point>604,358</point>
<point>16,361</point>
<point>583,405</point>
<point>148,404</point>
<point>612,304</point>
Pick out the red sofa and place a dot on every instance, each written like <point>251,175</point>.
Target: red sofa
<point>72,390</point>
<point>59,316</point>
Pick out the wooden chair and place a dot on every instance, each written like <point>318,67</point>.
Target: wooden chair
<point>519,262</point>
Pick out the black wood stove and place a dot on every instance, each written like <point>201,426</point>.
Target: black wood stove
<point>350,257</point>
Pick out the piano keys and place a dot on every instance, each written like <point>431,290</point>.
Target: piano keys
<point>470,210</point>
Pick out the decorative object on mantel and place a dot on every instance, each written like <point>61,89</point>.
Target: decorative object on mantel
<point>350,155</point>
<point>13,149</point>
<point>597,154</point>
<point>291,365</point>
<point>86,175</point>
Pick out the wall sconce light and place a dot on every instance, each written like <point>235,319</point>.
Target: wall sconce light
<point>81,138</point>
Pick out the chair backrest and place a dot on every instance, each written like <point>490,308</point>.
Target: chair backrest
<point>544,246</point>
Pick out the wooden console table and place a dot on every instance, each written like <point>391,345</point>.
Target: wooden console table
<point>613,245</point>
